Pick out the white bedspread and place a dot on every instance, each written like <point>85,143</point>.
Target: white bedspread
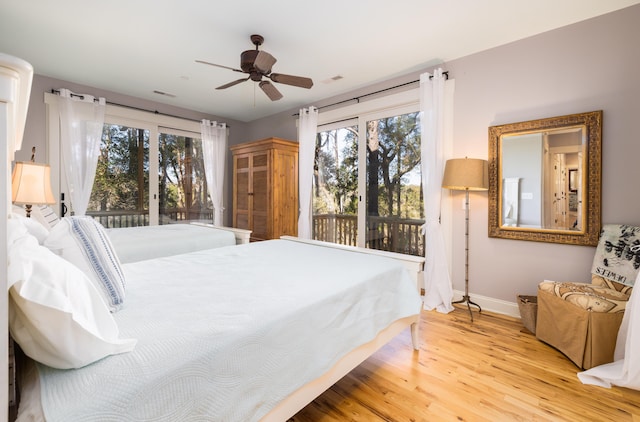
<point>225,334</point>
<point>134,244</point>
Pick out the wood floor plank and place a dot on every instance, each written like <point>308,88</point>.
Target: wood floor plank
<point>490,370</point>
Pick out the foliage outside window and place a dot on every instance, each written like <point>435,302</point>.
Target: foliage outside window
<point>393,192</point>
<point>120,194</point>
<point>120,191</point>
<point>335,186</point>
<point>182,181</point>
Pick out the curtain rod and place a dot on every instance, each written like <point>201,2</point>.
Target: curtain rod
<point>446,75</point>
<point>55,91</point>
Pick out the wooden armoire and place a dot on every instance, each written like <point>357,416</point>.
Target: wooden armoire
<point>265,188</point>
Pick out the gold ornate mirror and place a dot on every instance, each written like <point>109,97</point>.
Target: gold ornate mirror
<point>545,178</point>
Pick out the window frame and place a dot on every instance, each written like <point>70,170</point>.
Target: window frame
<point>118,115</point>
<point>387,106</point>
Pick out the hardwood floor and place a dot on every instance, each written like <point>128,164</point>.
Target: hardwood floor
<point>490,370</point>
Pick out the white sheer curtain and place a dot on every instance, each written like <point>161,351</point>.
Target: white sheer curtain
<point>437,281</point>
<point>307,129</point>
<point>81,121</point>
<point>214,148</point>
<point>624,371</point>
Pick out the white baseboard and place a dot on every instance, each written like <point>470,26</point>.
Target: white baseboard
<point>492,305</point>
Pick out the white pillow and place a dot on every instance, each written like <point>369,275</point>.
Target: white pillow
<point>84,242</point>
<point>43,214</point>
<point>55,313</point>
<point>33,227</point>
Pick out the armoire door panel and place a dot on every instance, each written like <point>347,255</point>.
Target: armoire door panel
<point>242,196</point>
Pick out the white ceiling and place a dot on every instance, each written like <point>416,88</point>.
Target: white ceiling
<point>136,47</point>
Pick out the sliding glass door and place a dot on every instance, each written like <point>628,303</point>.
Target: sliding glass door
<point>182,183</point>
<point>395,211</point>
<point>335,185</point>
<point>370,193</point>
<point>123,193</point>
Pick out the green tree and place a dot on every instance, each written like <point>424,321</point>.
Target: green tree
<point>393,152</point>
<point>122,168</point>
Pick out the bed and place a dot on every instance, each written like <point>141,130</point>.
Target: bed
<point>237,333</point>
<point>145,242</point>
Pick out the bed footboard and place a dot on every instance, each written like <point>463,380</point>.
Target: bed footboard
<point>242,235</point>
<point>305,395</point>
<point>414,264</point>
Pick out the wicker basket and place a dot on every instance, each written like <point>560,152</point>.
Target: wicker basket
<point>528,306</point>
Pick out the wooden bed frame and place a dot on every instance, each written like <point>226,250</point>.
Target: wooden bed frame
<point>305,395</point>
<point>15,86</point>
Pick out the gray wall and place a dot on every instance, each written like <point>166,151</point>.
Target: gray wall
<point>583,67</point>
<point>591,65</point>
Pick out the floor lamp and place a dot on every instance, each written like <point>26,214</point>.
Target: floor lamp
<point>466,174</point>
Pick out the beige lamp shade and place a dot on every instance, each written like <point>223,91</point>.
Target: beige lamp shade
<point>466,174</point>
<point>31,184</point>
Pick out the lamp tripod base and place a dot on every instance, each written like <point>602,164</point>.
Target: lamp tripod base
<point>466,299</point>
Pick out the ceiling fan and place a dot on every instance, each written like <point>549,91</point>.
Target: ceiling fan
<point>258,64</point>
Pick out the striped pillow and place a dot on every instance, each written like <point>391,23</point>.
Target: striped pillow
<point>48,216</point>
<point>84,242</point>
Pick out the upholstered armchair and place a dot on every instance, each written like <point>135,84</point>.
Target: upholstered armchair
<point>582,319</point>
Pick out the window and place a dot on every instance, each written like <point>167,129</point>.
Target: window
<point>335,186</point>
<point>136,145</point>
<point>370,193</point>
<point>183,185</point>
<point>120,194</point>
<point>395,207</point>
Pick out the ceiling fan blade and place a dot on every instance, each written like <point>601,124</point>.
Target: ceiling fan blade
<point>298,81</point>
<point>264,62</point>
<point>271,91</point>
<point>219,65</point>
<point>236,82</point>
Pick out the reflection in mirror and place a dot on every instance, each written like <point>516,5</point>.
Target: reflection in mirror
<point>545,179</point>
<point>535,178</point>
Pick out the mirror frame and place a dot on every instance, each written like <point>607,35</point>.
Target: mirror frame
<point>592,179</point>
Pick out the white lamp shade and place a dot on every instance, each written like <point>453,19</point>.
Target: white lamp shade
<point>466,174</point>
<point>31,184</point>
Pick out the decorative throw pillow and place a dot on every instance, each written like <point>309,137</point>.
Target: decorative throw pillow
<point>84,242</point>
<point>55,313</point>
<point>587,296</point>
<point>48,216</point>
<point>596,280</point>
<point>617,256</point>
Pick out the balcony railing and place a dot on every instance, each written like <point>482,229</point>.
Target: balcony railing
<point>134,218</point>
<point>384,233</point>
